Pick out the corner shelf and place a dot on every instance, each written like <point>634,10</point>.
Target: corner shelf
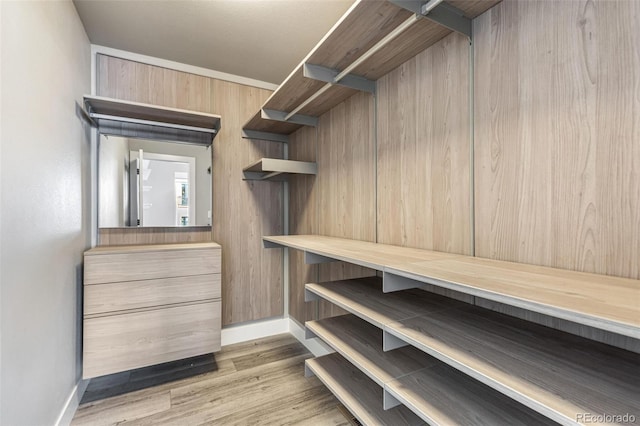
<point>370,40</point>
<point>559,375</point>
<point>273,169</point>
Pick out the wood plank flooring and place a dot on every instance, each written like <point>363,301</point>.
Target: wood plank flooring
<point>259,382</point>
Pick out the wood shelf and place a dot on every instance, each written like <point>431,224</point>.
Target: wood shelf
<point>125,118</point>
<point>435,392</point>
<point>556,374</point>
<point>360,343</point>
<point>360,297</point>
<point>357,392</point>
<point>276,169</point>
<point>364,25</point>
<point>599,301</point>
<point>362,253</point>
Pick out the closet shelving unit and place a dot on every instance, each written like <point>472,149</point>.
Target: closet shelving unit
<point>429,353</point>
<point>371,39</point>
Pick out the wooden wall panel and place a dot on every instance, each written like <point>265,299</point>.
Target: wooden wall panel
<point>346,183</point>
<point>303,219</point>
<point>556,135</point>
<point>423,150</point>
<point>243,212</point>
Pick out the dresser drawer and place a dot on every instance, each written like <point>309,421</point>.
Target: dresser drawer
<point>120,296</point>
<point>127,341</point>
<point>134,266</point>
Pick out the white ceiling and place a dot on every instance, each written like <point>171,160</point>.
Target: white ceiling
<point>260,39</point>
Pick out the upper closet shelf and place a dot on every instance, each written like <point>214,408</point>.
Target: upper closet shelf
<point>277,170</point>
<point>371,39</point>
<point>133,119</point>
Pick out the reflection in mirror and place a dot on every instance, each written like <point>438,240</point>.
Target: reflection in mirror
<point>170,181</point>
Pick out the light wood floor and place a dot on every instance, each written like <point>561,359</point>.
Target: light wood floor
<point>259,382</point>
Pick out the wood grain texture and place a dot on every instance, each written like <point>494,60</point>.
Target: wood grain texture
<point>358,393</point>
<point>129,409</point>
<point>303,219</point>
<point>441,395</point>
<point>591,333</point>
<point>554,373</point>
<point>123,342</point>
<point>363,297</point>
<point>608,303</point>
<point>346,182</point>
<point>437,393</point>
<point>361,344</point>
<point>146,111</point>
<point>362,27</point>
<point>132,236</point>
<point>132,265</point>
<point>242,212</point>
<point>557,157</point>
<point>209,389</point>
<point>363,253</point>
<point>256,122</point>
<point>112,297</point>
<point>423,150</point>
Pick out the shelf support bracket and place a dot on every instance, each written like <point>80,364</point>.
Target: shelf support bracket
<point>328,75</point>
<point>313,259</point>
<point>307,371</point>
<point>264,136</point>
<point>275,115</point>
<point>389,401</point>
<point>310,296</point>
<point>392,282</point>
<point>391,342</point>
<point>308,334</point>
<point>270,244</point>
<point>443,14</point>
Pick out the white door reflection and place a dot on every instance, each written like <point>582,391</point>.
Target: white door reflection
<point>168,189</point>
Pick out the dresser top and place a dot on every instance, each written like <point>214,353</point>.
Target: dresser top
<point>150,248</point>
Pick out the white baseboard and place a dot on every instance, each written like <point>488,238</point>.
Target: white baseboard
<point>316,346</point>
<point>71,404</point>
<point>254,330</point>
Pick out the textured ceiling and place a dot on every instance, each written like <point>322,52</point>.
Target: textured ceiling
<point>260,39</point>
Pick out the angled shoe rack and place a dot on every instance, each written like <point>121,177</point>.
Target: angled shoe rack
<point>451,362</point>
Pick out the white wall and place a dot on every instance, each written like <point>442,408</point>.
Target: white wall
<point>113,166</point>
<point>44,181</point>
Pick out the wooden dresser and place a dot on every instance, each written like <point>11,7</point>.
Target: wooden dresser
<point>149,304</point>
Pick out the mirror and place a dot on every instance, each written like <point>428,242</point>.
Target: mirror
<point>151,183</point>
